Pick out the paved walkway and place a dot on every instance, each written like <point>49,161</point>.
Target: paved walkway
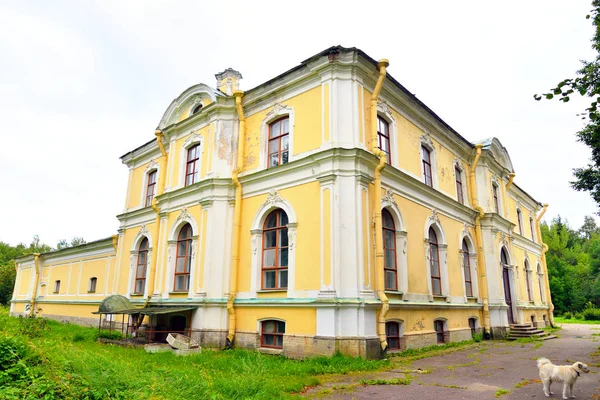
<point>482,371</point>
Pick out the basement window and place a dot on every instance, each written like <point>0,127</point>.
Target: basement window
<point>272,334</point>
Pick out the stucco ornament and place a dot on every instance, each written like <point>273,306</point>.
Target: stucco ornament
<point>143,230</point>
<point>183,215</point>
<point>389,197</point>
<point>277,109</point>
<point>273,197</point>
<point>151,165</point>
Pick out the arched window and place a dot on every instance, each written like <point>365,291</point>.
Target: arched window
<point>541,282</point>
<point>467,267</point>
<point>383,135</point>
<point>528,279</point>
<point>520,221</point>
<point>275,251</point>
<point>389,249</point>
<point>279,142</point>
<point>504,258</point>
<point>532,229</point>
<point>271,334</point>
<point>92,285</point>
<point>434,263</point>
<point>150,188</point>
<point>438,326</point>
<point>196,109</point>
<point>140,269</point>
<point>192,167</point>
<point>183,263</point>
<point>427,175</point>
<point>392,333</point>
<point>495,195</point>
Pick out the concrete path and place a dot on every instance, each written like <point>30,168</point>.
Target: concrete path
<point>485,371</point>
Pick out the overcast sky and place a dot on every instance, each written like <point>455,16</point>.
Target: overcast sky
<point>82,83</point>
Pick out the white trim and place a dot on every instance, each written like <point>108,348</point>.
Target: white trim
<point>528,279</point>
<point>425,141</point>
<point>390,204</point>
<point>463,179</point>
<point>278,111</point>
<point>184,218</point>
<point>151,167</point>
<point>466,236</point>
<point>274,201</point>
<point>434,222</point>
<point>541,283</point>
<point>384,112</point>
<point>142,234</point>
<point>192,140</point>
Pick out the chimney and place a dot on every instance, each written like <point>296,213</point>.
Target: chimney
<point>228,81</point>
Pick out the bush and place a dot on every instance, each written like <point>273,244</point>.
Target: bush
<point>568,315</point>
<point>15,359</point>
<point>32,327</point>
<point>591,314</point>
<point>578,315</point>
<point>112,335</point>
<point>478,337</point>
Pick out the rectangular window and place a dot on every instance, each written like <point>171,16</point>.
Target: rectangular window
<point>468,280</point>
<point>383,135</point>
<point>272,334</point>
<point>439,330</point>
<point>495,193</point>
<point>92,285</point>
<point>427,176</point>
<point>519,222</point>
<point>192,167</point>
<point>459,186</point>
<point>436,279</point>
<point>150,188</point>
<point>532,229</point>
<point>56,286</point>
<point>279,142</point>
<point>392,333</point>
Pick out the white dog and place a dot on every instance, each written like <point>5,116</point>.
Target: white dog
<point>567,374</point>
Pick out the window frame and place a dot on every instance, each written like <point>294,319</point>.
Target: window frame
<point>466,264</point>
<point>427,165</point>
<point>279,138</point>
<point>195,162</point>
<point>540,273</point>
<point>386,268</point>
<point>440,334</point>
<point>56,286</point>
<point>390,338</point>
<point>520,221</point>
<point>531,226</point>
<point>275,333</point>
<point>150,187</point>
<point>92,284</point>
<point>495,197</point>
<point>279,231</point>
<point>187,259</point>
<point>528,280</point>
<point>460,194</point>
<point>434,251</point>
<point>473,325</point>
<point>385,137</point>
<point>141,250</point>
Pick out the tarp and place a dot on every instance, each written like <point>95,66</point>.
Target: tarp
<point>114,304</point>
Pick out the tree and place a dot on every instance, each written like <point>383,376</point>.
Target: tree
<point>586,83</point>
<point>8,275</point>
<point>76,241</point>
<point>588,228</point>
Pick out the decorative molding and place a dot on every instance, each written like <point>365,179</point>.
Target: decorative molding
<point>272,198</point>
<point>183,215</point>
<point>389,197</point>
<point>277,109</point>
<point>435,217</point>
<point>193,138</point>
<point>495,180</point>
<point>426,140</point>
<point>143,230</point>
<point>151,165</point>
<point>384,109</point>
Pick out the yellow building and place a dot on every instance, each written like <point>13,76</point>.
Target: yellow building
<point>326,209</point>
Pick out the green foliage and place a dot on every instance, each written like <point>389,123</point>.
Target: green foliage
<point>8,274</point>
<point>76,241</point>
<point>586,83</point>
<point>568,315</point>
<point>112,335</point>
<point>591,314</point>
<point>66,363</point>
<point>478,337</point>
<point>32,327</point>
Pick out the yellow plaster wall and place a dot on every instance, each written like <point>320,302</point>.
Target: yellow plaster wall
<point>24,281</point>
<point>127,242</point>
<point>19,307</point>
<point>305,199</point>
<point>307,126</point>
<point>298,321</point>
<point>136,189</point>
<point>71,310</point>
<point>60,273</point>
<point>94,268</point>
<point>421,320</point>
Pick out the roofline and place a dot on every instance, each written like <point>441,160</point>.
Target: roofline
<point>136,149</point>
<point>527,194</point>
<point>54,252</point>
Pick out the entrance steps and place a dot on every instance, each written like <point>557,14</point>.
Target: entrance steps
<point>519,331</point>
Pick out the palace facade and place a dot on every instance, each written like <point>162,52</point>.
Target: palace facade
<point>326,209</point>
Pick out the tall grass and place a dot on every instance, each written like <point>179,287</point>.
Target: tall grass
<point>72,365</point>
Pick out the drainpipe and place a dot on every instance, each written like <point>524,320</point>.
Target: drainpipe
<point>544,250</point>
<point>36,262</point>
<point>511,178</point>
<point>483,288</point>
<point>160,190</point>
<point>237,218</point>
<point>379,264</point>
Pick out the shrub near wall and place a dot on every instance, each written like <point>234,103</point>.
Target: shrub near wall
<point>591,314</point>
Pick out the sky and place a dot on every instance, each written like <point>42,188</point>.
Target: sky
<point>82,83</point>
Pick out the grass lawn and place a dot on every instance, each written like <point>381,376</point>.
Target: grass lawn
<point>64,361</point>
<point>561,320</point>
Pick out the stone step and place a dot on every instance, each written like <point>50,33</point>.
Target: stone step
<point>520,326</point>
<point>527,334</point>
<point>526,330</point>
